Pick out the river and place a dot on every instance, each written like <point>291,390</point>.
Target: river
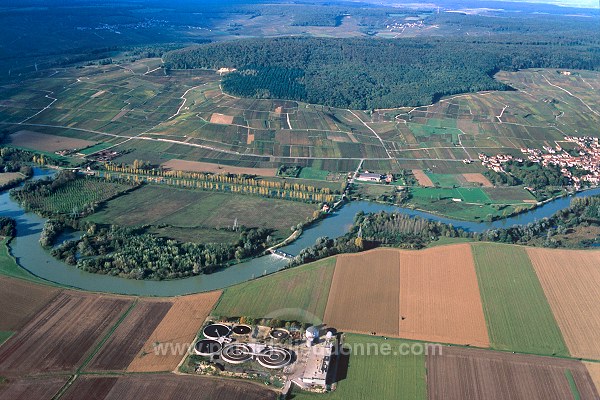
<point>31,256</point>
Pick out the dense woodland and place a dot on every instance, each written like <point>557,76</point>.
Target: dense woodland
<point>132,253</point>
<point>373,73</point>
<point>8,227</point>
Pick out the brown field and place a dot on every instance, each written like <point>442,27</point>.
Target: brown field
<point>39,389</point>
<point>98,94</point>
<point>422,178</point>
<point>217,118</point>
<point>60,336</point>
<point>43,142</point>
<point>594,371</point>
<point>439,296</point>
<point>571,282</point>
<point>197,166</point>
<point>480,374</point>
<point>129,337</point>
<point>250,138</point>
<point>164,386</point>
<point>120,115</point>
<point>6,177</point>
<point>20,301</point>
<point>180,325</point>
<point>365,292</point>
<point>478,178</point>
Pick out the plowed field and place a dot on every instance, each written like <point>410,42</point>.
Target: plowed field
<point>460,374</point>
<point>365,292</point>
<point>129,337</point>
<point>439,297</point>
<point>60,336</point>
<point>178,327</point>
<point>478,178</point>
<point>20,300</point>
<point>38,389</point>
<point>571,281</point>
<point>422,178</point>
<point>164,386</point>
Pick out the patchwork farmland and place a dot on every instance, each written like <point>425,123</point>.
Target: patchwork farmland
<point>194,120</point>
<point>424,295</point>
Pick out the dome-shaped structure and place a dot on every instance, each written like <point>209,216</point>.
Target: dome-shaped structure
<point>312,332</point>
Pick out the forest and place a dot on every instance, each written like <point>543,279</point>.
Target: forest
<point>132,253</point>
<point>372,73</point>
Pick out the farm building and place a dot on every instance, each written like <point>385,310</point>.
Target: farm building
<point>370,177</point>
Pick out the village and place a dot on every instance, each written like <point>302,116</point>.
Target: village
<point>586,158</point>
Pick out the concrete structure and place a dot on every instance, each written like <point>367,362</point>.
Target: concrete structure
<point>317,365</point>
<point>369,177</point>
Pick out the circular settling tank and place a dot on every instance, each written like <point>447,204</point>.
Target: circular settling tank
<point>236,353</point>
<point>242,329</point>
<point>274,357</point>
<point>279,333</point>
<point>216,331</point>
<point>207,347</point>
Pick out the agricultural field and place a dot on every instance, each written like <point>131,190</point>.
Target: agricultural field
<point>374,279</point>
<point>296,294</point>
<point>422,178</point>
<point>60,336</point>
<point>9,177</point>
<point>164,386</point>
<point>36,388</point>
<point>439,297</point>
<point>594,371</point>
<point>47,143</point>
<point>497,375</point>
<point>21,300</point>
<point>472,203</point>
<point>75,195</point>
<point>179,326</point>
<point>516,309</point>
<point>376,376</point>
<point>478,179</point>
<point>191,208</point>
<point>129,337</point>
<point>196,166</point>
<point>571,282</point>
<point>429,295</point>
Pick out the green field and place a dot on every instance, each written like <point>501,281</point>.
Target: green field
<point>296,294</point>
<point>377,376</point>
<point>74,195</point>
<point>4,336</point>
<point>313,173</point>
<point>516,310</point>
<point>95,148</point>
<point>444,180</point>
<point>199,209</point>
